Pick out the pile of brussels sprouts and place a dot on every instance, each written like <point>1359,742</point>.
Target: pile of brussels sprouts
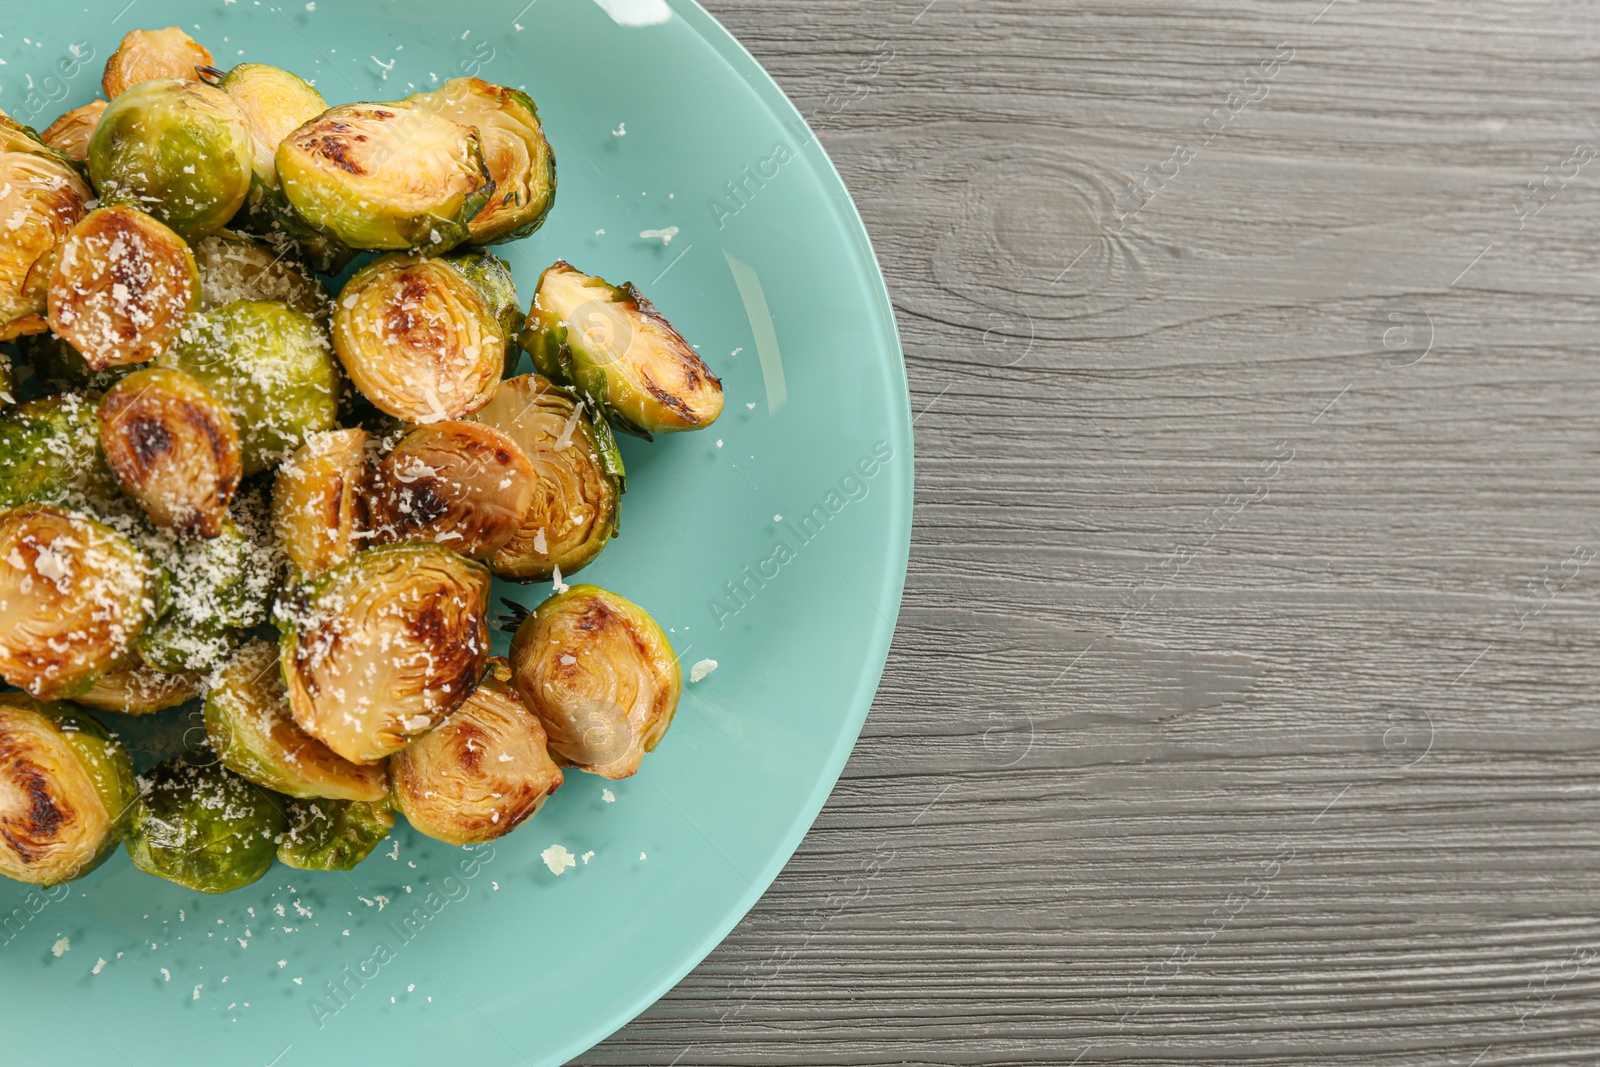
<point>221,484</point>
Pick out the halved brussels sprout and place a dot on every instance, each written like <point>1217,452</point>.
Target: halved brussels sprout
<point>178,149</point>
<point>617,350</point>
<point>274,104</point>
<point>42,196</point>
<point>71,132</point>
<point>333,835</point>
<point>271,368</point>
<point>74,595</point>
<point>482,773</point>
<point>220,588</point>
<point>384,646</point>
<point>137,689</point>
<point>317,507</point>
<point>464,485</point>
<point>499,291</point>
<point>122,287</point>
<point>601,676</point>
<point>385,176</point>
<point>249,724</point>
<point>204,827</point>
<point>419,339</point>
<point>579,483</point>
<point>50,453</point>
<point>236,268</point>
<point>519,158</point>
<point>147,54</point>
<point>66,791</point>
<point>173,448</point>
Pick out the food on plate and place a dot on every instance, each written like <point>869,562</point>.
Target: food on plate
<point>463,485</point>
<point>202,826</point>
<point>144,55</point>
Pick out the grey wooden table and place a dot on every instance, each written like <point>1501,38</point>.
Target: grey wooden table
<point>1242,708</point>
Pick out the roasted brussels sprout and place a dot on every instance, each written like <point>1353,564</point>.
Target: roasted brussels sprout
<point>66,791</point>
<point>71,132</point>
<point>600,675</point>
<point>176,148</point>
<point>419,339</point>
<point>464,485</point>
<point>617,350</point>
<point>173,448</point>
<point>204,827</point>
<point>385,176</point>
<point>236,268</point>
<point>50,452</point>
<point>122,287</point>
<point>137,689</point>
<point>220,587</point>
<point>74,595</point>
<point>274,104</point>
<point>147,54</point>
<point>482,773</point>
<point>42,197</point>
<point>333,835</point>
<point>249,724</point>
<point>384,646</point>
<point>577,495</point>
<point>499,291</point>
<point>519,158</point>
<point>271,368</point>
<point>317,508</point>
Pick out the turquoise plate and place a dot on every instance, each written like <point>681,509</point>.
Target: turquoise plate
<point>431,955</point>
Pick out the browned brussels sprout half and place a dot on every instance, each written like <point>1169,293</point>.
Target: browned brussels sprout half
<point>204,827</point>
<point>236,268</point>
<point>384,646</point>
<point>147,54</point>
<point>66,791</point>
<point>385,176</point>
<point>138,689</point>
<point>612,345</point>
<point>520,160</point>
<point>579,478</point>
<point>42,196</point>
<point>249,724</point>
<point>71,132</point>
<point>601,676</point>
<point>73,597</point>
<point>462,484</point>
<point>333,835</point>
<point>173,448</point>
<point>317,507</point>
<point>178,149</point>
<point>419,339</point>
<point>122,288</point>
<point>482,773</point>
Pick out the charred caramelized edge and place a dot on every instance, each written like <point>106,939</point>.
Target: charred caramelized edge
<point>29,833</point>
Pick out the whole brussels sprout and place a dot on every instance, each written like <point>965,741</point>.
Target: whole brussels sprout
<point>176,148</point>
<point>482,773</point>
<point>464,485</point>
<point>122,287</point>
<point>219,589</point>
<point>204,827</point>
<point>42,197</point>
<point>233,267</point>
<point>173,448</point>
<point>317,506</point>
<point>271,368</point>
<point>50,453</point>
<point>74,596</point>
<point>66,791</point>
<point>249,724</point>
<point>145,55</point>
<point>137,689</point>
<point>601,676</point>
<point>333,835</point>
<point>419,338</point>
<point>384,646</point>
<point>619,353</point>
<point>579,478</point>
<point>71,132</point>
<point>386,176</point>
<point>520,160</point>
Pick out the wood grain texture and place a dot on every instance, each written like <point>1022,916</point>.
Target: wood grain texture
<point>1242,704</point>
